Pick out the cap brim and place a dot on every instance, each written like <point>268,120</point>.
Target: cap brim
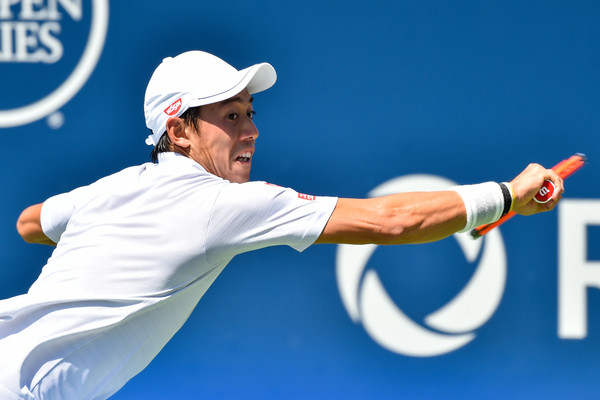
<point>262,76</point>
<point>256,78</point>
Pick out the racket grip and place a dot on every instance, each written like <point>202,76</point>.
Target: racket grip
<point>564,169</point>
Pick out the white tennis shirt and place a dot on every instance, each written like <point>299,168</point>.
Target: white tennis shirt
<point>136,251</point>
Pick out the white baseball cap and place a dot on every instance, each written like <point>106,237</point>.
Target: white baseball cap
<point>193,79</point>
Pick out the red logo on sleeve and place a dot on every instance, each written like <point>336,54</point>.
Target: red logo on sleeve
<point>306,196</point>
<point>302,196</point>
<point>173,108</point>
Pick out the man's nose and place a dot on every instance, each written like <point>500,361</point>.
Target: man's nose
<point>249,130</point>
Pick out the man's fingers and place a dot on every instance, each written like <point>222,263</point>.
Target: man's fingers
<point>558,183</point>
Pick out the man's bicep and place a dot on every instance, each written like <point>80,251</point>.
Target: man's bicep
<point>29,225</point>
<point>58,210</point>
<point>353,221</point>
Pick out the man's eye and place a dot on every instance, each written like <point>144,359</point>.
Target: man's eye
<point>232,116</point>
<point>251,114</point>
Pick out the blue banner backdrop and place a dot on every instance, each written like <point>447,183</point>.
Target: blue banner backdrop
<point>368,92</point>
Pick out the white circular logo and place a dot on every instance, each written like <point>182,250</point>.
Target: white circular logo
<point>444,330</point>
<point>19,37</point>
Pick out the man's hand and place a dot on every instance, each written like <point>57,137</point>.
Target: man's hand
<point>526,185</point>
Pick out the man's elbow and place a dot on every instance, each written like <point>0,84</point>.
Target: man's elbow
<point>387,227</point>
<point>399,227</point>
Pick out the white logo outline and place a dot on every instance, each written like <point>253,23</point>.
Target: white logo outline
<point>71,86</point>
<point>367,301</point>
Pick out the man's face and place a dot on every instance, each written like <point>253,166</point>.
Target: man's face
<point>224,143</point>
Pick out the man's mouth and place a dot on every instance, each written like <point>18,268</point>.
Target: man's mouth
<point>244,157</point>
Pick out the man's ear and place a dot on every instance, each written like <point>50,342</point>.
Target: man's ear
<point>176,129</point>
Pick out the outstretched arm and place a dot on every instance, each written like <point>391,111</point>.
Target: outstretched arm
<point>415,217</point>
<point>420,217</point>
<point>30,227</point>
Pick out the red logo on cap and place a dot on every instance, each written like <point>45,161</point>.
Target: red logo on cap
<point>173,108</point>
<point>545,192</point>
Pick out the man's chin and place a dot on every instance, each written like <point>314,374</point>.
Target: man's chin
<point>239,178</point>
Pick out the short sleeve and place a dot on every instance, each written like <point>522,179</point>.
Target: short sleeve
<point>57,211</point>
<point>253,215</point>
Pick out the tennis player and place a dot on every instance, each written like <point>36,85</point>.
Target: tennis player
<point>135,251</point>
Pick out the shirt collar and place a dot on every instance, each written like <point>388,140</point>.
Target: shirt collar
<point>172,158</point>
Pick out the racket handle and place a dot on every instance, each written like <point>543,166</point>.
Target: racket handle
<point>564,169</point>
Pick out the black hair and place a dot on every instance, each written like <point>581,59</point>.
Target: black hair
<point>190,117</point>
<point>164,144</point>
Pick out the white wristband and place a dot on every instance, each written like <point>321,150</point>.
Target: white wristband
<point>484,203</point>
